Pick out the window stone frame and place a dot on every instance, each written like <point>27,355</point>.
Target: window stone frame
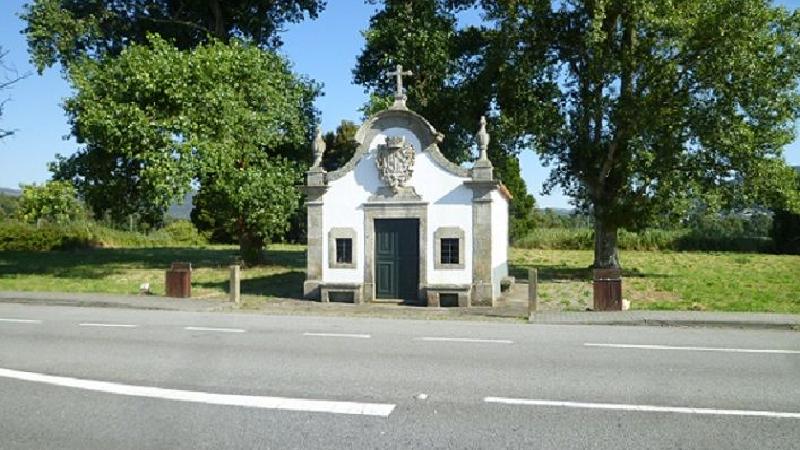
<point>448,233</point>
<point>342,233</point>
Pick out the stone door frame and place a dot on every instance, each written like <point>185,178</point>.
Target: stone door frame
<point>394,210</point>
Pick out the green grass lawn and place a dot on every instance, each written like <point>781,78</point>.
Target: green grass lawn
<point>653,280</point>
<point>123,270</point>
<point>672,280</point>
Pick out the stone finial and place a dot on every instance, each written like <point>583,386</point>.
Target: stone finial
<point>318,148</point>
<point>399,94</point>
<point>482,170</point>
<point>483,140</point>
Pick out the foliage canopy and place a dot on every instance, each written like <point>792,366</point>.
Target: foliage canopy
<point>155,118</point>
<point>53,202</point>
<point>66,30</point>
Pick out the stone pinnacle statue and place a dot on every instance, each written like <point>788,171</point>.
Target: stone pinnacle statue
<point>399,94</point>
<point>318,149</point>
<point>483,140</point>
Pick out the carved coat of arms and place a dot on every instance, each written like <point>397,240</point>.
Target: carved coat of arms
<point>395,162</point>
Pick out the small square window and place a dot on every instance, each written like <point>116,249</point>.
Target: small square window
<point>449,251</point>
<point>344,250</point>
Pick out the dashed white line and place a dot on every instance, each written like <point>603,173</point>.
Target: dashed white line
<point>109,325</point>
<point>456,339</point>
<point>345,335</point>
<point>644,408</point>
<point>21,320</point>
<point>250,401</point>
<point>693,349</point>
<point>220,330</point>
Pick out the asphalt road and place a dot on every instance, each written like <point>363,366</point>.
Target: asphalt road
<point>113,378</point>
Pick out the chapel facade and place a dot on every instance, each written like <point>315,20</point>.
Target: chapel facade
<point>401,223</point>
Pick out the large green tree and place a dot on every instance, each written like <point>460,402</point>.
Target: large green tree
<point>222,115</point>
<point>66,30</point>
<point>70,32</point>
<point>641,104</point>
<point>454,82</point>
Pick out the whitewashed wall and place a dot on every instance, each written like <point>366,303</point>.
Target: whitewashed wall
<point>449,205</point>
<point>499,240</point>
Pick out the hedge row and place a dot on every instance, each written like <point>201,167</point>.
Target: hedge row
<point>20,236</point>
<point>650,239</point>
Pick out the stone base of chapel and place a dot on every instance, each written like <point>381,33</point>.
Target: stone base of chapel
<point>434,295</point>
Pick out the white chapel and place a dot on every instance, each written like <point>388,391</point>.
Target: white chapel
<point>401,223</point>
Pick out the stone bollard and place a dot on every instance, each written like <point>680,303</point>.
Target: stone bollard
<point>533,282</point>
<point>235,285</point>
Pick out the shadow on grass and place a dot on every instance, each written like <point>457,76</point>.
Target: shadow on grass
<point>563,272</point>
<point>104,262</point>
<point>551,272</point>
<point>281,285</point>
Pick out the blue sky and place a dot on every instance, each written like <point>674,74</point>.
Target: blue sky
<point>324,50</point>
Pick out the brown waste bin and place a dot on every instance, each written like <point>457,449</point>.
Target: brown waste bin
<point>179,280</point>
<point>607,289</point>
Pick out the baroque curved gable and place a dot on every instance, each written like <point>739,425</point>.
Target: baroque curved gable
<point>428,137</point>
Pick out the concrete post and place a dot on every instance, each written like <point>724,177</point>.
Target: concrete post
<point>533,285</point>
<point>235,285</point>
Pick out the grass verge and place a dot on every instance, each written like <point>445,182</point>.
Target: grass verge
<point>122,270</point>
<point>663,280</point>
<point>666,280</point>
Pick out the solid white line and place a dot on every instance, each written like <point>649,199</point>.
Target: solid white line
<point>452,339</point>
<point>359,336</point>
<point>110,325</point>
<point>250,401</point>
<point>221,330</point>
<point>21,320</point>
<point>644,408</point>
<point>694,349</point>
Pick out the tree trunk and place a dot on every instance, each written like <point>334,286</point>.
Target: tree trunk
<point>218,25</point>
<point>606,254</point>
<point>251,248</point>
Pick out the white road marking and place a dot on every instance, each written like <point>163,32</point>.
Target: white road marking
<point>359,336</point>
<point>694,349</point>
<point>110,325</point>
<point>221,330</point>
<point>644,408</point>
<point>21,320</point>
<point>453,339</point>
<point>250,401</point>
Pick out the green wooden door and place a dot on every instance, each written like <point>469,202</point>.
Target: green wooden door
<point>397,259</point>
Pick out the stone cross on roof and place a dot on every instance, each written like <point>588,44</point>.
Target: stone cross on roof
<point>399,95</point>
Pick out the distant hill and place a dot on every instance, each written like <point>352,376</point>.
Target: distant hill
<point>180,210</point>
<point>559,211</point>
<point>10,192</point>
